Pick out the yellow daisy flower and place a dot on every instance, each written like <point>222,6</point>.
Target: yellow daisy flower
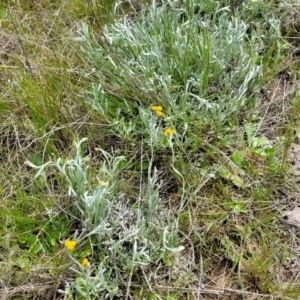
<point>70,245</point>
<point>85,262</point>
<point>169,131</point>
<point>157,108</point>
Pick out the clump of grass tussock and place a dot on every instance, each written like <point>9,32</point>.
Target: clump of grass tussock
<point>181,180</point>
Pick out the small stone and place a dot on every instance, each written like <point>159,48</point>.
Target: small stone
<point>294,217</point>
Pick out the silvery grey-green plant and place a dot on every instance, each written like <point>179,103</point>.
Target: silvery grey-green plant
<point>187,61</point>
<point>129,235</point>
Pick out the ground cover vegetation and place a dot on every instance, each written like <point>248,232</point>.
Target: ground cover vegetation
<point>145,149</point>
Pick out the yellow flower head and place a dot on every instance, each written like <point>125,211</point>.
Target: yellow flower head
<point>85,262</point>
<point>157,108</point>
<point>70,245</point>
<point>159,113</point>
<point>169,131</point>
